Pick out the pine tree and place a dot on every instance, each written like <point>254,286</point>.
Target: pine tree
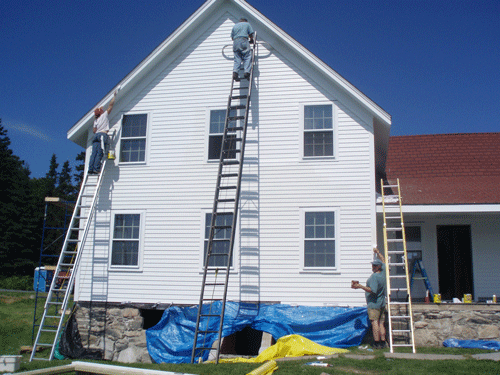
<point>18,250</point>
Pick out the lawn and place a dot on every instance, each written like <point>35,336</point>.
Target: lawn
<point>16,321</point>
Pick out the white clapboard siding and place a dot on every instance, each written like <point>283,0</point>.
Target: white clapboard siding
<point>174,188</point>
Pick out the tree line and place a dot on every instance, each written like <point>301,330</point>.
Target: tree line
<point>24,213</point>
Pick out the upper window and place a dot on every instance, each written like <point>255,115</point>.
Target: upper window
<point>133,142</point>
<point>217,123</point>
<point>318,130</point>
<point>125,248</point>
<point>319,239</point>
<point>220,244</point>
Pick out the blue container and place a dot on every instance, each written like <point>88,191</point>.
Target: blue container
<point>42,279</point>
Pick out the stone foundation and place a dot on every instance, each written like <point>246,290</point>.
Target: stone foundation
<point>435,323</point>
<point>118,331</point>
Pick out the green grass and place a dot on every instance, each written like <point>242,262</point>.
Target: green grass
<point>16,320</point>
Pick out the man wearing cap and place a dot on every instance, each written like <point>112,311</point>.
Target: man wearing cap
<point>375,291</point>
<point>242,36</point>
<point>100,129</point>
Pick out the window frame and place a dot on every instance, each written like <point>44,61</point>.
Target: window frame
<point>210,135</point>
<point>145,137</point>
<point>140,240</point>
<point>323,269</point>
<point>334,131</point>
<point>234,266</point>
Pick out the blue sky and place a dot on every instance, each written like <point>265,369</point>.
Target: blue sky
<point>434,65</point>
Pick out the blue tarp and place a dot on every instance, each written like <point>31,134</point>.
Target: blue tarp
<point>171,340</point>
<point>472,344</point>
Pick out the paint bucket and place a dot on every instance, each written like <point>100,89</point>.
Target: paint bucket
<point>467,298</point>
<point>437,298</point>
<point>111,155</point>
<point>494,298</point>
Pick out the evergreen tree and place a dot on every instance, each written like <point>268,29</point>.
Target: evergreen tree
<point>65,188</point>
<point>80,168</point>
<point>18,250</point>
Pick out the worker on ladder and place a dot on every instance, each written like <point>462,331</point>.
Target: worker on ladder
<point>100,140</point>
<point>242,36</point>
<point>375,291</point>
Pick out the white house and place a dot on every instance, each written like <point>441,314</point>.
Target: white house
<point>147,242</point>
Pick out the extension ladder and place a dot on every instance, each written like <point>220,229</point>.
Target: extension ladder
<point>399,309</point>
<point>220,245</point>
<point>419,266</point>
<point>58,297</point>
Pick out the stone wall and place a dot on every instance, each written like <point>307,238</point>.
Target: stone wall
<point>117,331</point>
<point>435,323</point>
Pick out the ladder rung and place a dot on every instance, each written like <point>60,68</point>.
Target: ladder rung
<point>397,264</point>
<point>234,128</point>
<point>210,315</point>
<point>225,200</point>
<point>208,331</point>
<point>396,251</point>
<point>48,330</point>
<point>230,162</point>
<point>227,187</point>
<point>239,106</point>
<point>234,118</point>
<point>239,97</point>
<point>42,344</point>
<point>400,317</point>
<point>397,276</point>
<point>398,289</point>
<point>395,240</point>
<point>54,303</point>
<point>215,284</point>
<point>227,175</point>
<point>401,330</point>
<point>400,345</point>
<point>394,229</point>
<point>399,303</point>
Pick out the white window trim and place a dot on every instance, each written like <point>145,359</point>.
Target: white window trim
<point>148,137</point>
<point>303,211</point>
<point>138,267</point>
<point>334,130</point>
<point>207,132</point>
<point>234,268</point>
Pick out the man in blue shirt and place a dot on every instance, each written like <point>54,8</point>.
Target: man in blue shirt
<point>242,36</point>
<point>375,291</point>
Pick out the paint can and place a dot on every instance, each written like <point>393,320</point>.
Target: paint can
<point>467,298</point>
<point>437,298</point>
<point>494,298</point>
<point>111,155</point>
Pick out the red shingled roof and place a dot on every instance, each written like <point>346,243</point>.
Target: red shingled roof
<point>446,168</point>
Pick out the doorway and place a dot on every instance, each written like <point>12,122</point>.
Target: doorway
<point>454,261</point>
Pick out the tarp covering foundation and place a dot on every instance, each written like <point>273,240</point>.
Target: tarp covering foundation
<point>171,340</point>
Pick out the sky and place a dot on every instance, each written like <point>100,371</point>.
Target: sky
<point>433,65</point>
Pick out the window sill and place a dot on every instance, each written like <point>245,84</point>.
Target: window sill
<point>321,270</point>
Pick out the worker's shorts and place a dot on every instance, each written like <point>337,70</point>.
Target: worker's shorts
<point>377,314</point>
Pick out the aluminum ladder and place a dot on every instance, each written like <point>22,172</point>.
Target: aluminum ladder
<point>399,309</point>
<point>219,252</point>
<point>61,288</point>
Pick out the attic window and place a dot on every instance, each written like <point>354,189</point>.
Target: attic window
<point>133,139</point>
<point>318,130</point>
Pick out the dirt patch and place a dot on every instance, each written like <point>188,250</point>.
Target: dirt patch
<point>12,299</point>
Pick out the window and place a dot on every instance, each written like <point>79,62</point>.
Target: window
<point>218,246</point>
<point>125,248</point>
<point>318,130</point>
<point>217,123</point>
<point>133,141</point>
<point>413,248</point>
<point>319,239</point>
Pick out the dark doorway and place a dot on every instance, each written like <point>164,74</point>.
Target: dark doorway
<point>454,261</point>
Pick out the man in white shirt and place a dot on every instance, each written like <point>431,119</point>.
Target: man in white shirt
<point>101,128</point>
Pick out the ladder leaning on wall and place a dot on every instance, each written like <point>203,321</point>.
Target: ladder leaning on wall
<point>399,308</point>
<point>61,287</point>
<point>219,249</point>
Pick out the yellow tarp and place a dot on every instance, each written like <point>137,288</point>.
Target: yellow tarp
<point>289,346</point>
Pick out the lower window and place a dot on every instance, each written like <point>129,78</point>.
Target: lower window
<point>319,239</point>
<point>125,248</point>
<point>220,244</point>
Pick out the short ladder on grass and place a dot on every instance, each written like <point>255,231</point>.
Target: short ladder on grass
<point>399,307</point>
<point>59,294</point>
<point>219,251</point>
